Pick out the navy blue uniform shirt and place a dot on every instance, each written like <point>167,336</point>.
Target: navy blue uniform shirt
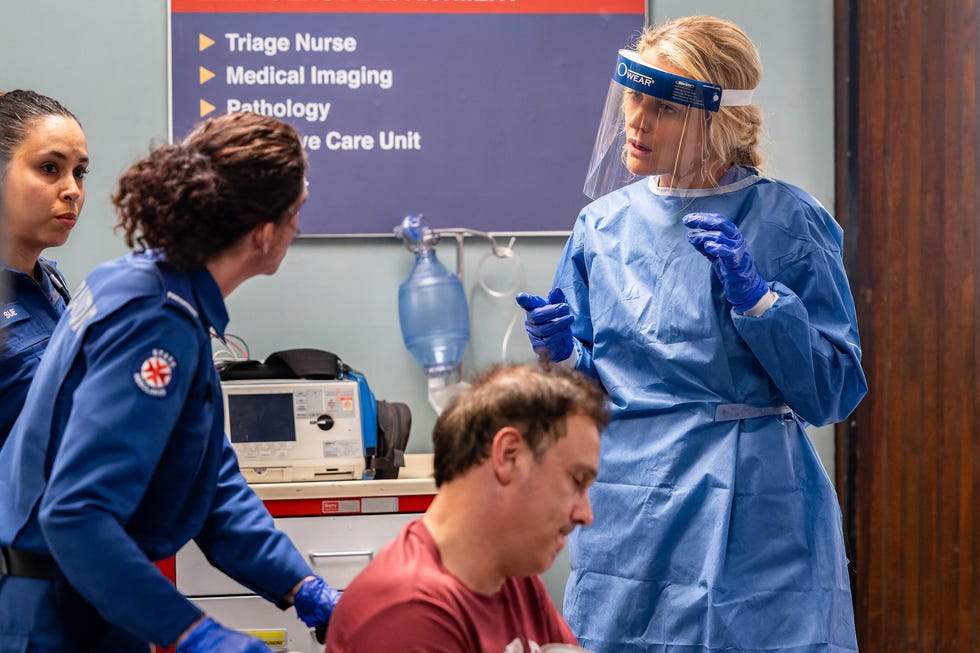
<point>26,322</point>
<point>121,459</point>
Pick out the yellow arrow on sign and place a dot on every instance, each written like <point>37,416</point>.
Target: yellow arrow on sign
<point>206,108</point>
<point>203,42</point>
<point>205,74</point>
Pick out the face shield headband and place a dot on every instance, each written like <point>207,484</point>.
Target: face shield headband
<point>655,123</point>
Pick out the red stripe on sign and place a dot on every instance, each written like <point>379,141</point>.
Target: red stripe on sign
<point>294,507</point>
<point>409,6</point>
<point>340,506</point>
<point>415,502</point>
<point>306,507</point>
<point>168,567</point>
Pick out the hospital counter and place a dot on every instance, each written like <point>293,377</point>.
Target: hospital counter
<point>414,479</point>
<point>338,525</point>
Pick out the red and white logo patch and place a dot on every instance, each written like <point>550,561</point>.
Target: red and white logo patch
<point>155,373</point>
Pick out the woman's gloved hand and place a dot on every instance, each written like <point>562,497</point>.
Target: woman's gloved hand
<point>720,241</point>
<point>548,323</point>
<point>208,636</point>
<point>314,602</point>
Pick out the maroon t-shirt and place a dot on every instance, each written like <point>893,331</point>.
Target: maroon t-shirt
<point>406,601</point>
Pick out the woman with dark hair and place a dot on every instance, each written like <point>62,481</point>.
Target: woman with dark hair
<point>43,163</point>
<point>121,457</point>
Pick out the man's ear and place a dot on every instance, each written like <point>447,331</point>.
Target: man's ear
<point>505,453</point>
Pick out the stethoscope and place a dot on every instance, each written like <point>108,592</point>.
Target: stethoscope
<point>57,281</point>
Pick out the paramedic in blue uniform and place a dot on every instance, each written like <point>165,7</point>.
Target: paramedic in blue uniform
<point>43,162</point>
<point>711,302</point>
<point>120,458</point>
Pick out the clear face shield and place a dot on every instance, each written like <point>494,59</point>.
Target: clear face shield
<point>656,123</point>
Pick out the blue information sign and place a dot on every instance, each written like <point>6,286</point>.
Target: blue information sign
<point>475,114</point>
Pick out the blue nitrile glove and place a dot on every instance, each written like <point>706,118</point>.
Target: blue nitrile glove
<point>548,323</point>
<point>211,637</point>
<point>315,602</point>
<point>722,243</point>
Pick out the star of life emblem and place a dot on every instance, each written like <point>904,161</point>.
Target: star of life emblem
<point>155,373</point>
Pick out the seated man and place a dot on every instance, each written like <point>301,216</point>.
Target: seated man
<point>514,456</point>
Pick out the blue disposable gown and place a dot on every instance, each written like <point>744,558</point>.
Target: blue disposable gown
<point>29,315</point>
<point>119,460</point>
<point>714,530</point>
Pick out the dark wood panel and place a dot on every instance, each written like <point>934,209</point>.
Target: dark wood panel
<point>907,182</point>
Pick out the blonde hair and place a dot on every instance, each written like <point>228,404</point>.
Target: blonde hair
<point>714,50</point>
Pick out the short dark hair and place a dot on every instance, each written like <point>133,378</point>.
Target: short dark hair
<point>196,198</point>
<point>533,399</point>
<point>19,109</point>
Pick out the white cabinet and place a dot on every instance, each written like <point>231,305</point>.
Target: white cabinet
<point>337,546</point>
<point>282,631</point>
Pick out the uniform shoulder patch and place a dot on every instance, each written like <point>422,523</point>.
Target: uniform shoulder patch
<point>155,373</point>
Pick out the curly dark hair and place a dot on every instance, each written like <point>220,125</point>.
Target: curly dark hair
<point>534,400</point>
<point>196,198</point>
<point>19,109</point>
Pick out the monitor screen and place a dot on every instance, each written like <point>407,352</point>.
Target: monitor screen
<point>261,418</point>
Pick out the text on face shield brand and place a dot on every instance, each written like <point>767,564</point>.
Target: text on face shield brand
<point>634,76</point>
